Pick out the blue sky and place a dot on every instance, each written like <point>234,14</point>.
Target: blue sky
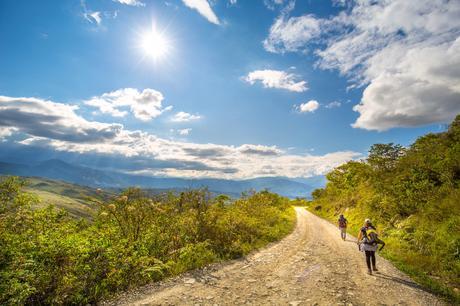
<point>244,88</point>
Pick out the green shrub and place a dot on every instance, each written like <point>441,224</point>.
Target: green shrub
<point>193,256</point>
<point>47,257</point>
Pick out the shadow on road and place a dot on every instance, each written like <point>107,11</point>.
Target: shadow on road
<point>400,281</point>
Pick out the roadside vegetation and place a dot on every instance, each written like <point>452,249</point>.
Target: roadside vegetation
<point>48,256</point>
<point>412,195</point>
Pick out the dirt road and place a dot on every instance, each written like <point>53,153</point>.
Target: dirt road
<point>311,266</point>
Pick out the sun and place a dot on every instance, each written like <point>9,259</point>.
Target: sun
<point>154,44</point>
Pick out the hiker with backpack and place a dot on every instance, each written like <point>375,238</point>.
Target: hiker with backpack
<point>343,227</point>
<point>363,232</point>
<point>368,242</point>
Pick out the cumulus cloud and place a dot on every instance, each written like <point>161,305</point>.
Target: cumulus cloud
<point>144,105</point>
<point>41,118</point>
<point>308,107</point>
<point>291,34</point>
<point>47,124</point>
<point>423,90</point>
<point>405,53</point>
<point>276,79</point>
<point>204,8</point>
<point>184,117</point>
<point>130,2</point>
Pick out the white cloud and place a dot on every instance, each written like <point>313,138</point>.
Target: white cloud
<point>93,17</point>
<point>57,126</point>
<point>97,17</point>
<point>406,53</point>
<point>260,150</point>
<point>272,4</point>
<point>202,7</point>
<point>235,165</point>
<point>276,79</point>
<point>89,15</point>
<point>308,107</point>
<point>6,132</point>
<point>342,2</point>
<point>47,119</point>
<point>291,34</point>
<point>424,89</point>
<point>130,2</point>
<point>184,117</point>
<point>333,104</point>
<point>144,105</point>
<point>184,132</point>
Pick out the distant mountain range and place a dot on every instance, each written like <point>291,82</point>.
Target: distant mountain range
<point>60,170</point>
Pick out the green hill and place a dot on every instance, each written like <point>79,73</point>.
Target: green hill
<point>412,195</point>
<point>75,199</point>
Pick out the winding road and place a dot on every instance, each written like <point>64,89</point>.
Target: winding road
<point>311,266</point>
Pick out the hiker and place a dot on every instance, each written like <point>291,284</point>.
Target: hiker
<point>343,222</point>
<point>369,242</point>
<point>363,232</point>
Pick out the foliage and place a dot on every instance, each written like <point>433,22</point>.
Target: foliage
<point>413,195</point>
<point>50,257</point>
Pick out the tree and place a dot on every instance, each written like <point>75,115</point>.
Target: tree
<point>383,157</point>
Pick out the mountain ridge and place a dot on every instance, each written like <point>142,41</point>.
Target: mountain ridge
<point>61,170</point>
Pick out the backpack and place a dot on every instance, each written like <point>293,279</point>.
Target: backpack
<point>373,238</point>
<point>342,222</point>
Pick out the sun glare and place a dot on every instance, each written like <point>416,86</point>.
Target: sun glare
<point>154,44</point>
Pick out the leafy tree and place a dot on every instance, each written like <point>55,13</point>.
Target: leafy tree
<point>383,157</point>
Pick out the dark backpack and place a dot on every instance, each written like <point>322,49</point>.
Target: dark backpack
<point>343,222</point>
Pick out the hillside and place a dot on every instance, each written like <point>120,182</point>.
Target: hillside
<point>75,199</point>
<point>60,170</point>
<point>412,195</point>
<point>49,258</point>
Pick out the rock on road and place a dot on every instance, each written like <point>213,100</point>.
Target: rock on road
<point>311,266</point>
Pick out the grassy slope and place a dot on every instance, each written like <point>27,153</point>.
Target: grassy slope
<point>71,197</point>
<point>63,261</point>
